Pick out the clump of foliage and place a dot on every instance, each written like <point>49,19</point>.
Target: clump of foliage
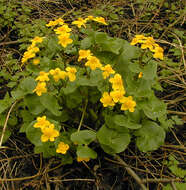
<point>82,89</point>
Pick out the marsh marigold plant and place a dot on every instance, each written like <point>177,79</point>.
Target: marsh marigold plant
<point>86,88</point>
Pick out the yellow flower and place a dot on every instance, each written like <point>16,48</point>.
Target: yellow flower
<point>36,61</point>
<point>158,52</point>
<point>35,49</point>
<point>37,39</point>
<point>43,76</point>
<point>27,55</point>
<point>84,54</point>
<point>107,100</point>
<point>127,104</point>
<point>41,122</point>
<point>100,20</point>
<point>58,74</point>
<point>62,29</point>
<point>49,133</point>
<point>107,71</point>
<point>93,62</point>
<point>140,75</point>
<point>82,159</point>
<point>89,18</point>
<point>138,39</point>
<point>59,21</point>
<point>117,95</point>
<point>64,39</point>
<point>40,88</point>
<point>149,43</point>
<point>117,82</point>
<point>31,46</point>
<point>71,73</point>
<point>62,148</point>
<point>80,22</point>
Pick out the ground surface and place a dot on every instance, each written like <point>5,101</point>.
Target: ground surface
<point>165,20</point>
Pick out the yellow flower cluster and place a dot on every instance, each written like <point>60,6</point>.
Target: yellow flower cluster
<point>92,61</point>
<point>148,42</point>
<point>63,32</point>
<point>62,148</point>
<point>118,92</point>
<point>40,88</point>
<point>49,133</point>
<point>58,21</point>
<point>81,22</point>
<point>57,74</point>
<point>117,95</point>
<point>107,70</point>
<point>47,128</point>
<point>32,50</point>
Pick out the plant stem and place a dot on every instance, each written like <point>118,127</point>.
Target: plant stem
<point>83,115</point>
<point>131,172</point>
<point>6,121</point>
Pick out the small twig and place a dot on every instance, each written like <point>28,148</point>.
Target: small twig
<point>182,147</point>
<point>9,43</point>
<point>173,185</point>
<point>131,172</point>
<point>83,115</point>
<point>176,138</point>
<point>181,48</point>
<point>21,178</point>
<point>176,112</point>
<point>6,121</point>
<point>76,179</point>
<point>161,180</point>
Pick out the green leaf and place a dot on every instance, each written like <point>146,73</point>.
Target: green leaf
<point>177,120</point>
<point>93,80</point>
<point>124,59</point>
<point>83,137</point>
<point>122,120</point>
<point>149,72</point>
<point>113,141</point>
<point>153,107</point>
<point>17,94</point>
<point>111,124</point>
<point>86,152</point>
<point>47,148</point>
<point>50,102</point>
<point>23,127</point>
<point>86,43</point>
<point>3,119</point>
<point>150,136</point>
<point>34,134</point>
<point>74,99</point>
<point>34,104</point>
<point>138,88</point>
<point>53,45</point>
<point>179,186</point>
<point>173,166</point>
<point>135,67</point>
<point>27,119</point>
<point>28,85</point>
<point>11,84</point>
<point>107,43</point>
<point>5,103</point>
<point>6,134</point>
<point>70,88</point>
